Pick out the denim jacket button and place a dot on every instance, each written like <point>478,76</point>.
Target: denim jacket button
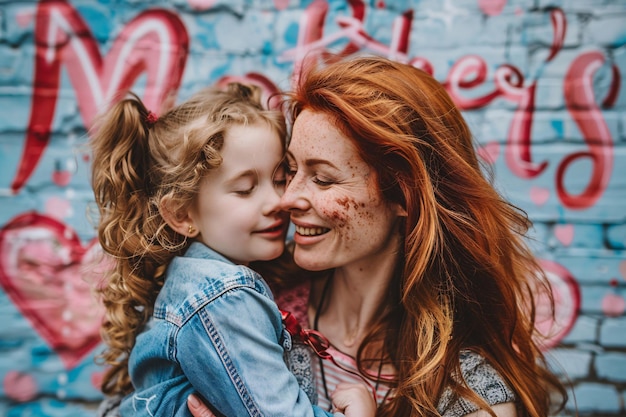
<point>286,340</point>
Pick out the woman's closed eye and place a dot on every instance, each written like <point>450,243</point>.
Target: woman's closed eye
<point>280,177</point>
<point>290,172</point>
<point>323,181</point>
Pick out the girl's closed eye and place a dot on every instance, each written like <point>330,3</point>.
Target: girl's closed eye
<point>244,192</point>
<point>244,188</point>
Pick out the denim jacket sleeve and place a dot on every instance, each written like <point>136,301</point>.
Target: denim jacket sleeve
<point>231,353</point>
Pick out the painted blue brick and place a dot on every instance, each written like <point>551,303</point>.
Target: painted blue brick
<point>592,297</point>
<point>99,18</point>
<point>538,30</point>
<point>252,32</point>
<point>549,93</point>
<point>583,236</point>
<point>585,330</point>
<point>594,397</point>
<point>13,102</point>
<point>51,408</point>
<point>611,366</point>
<point>497,126</point>
<point>19,21</point>
<point>559,125</point>
<point>613,332</point>
<point>591,266</point>
<point>571,363</point>
<point>558,66</point>
<point>616,236</point>
<point>620,61</point>
<point>432,23</point>
<point>606,28</point>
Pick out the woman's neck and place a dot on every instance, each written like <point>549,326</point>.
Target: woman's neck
<point>348,302</point>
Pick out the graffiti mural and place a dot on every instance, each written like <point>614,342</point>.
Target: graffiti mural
<point>541,88</point>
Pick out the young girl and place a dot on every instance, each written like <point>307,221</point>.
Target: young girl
<point>187,201</point>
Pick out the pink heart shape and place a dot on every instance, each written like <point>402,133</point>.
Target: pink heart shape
<point>49,276</point>
<point>19,387</point>
<point>491,7</point>
<point>564,233</point>
<point>539,195</point>
<point>613,305</point>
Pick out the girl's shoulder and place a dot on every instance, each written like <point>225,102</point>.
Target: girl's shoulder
<point>481,378</point>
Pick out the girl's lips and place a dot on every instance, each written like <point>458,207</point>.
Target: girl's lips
<point>277,229</point>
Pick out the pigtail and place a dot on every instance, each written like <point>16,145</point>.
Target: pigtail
<point>122,189</point>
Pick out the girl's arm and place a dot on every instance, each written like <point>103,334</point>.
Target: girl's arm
<point>230,353</point>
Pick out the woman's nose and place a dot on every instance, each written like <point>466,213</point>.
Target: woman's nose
<point>294,197</point>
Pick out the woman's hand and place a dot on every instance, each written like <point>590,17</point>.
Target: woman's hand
<point>197,407</point>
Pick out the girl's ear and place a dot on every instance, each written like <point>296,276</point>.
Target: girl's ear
<point>179,221</point>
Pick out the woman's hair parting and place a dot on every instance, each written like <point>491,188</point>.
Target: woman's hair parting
<point>139,162</point>
<point>466,277</point>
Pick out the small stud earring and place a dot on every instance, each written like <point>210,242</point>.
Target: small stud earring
<point>191,230</point>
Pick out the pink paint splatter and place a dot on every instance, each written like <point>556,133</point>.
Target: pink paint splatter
<point>61,178</point>
<point>58,208</point>
<point>281,4</point>
<point>24,17</point>
<point>564,233</point>
<point>490,152</point>
<point>96,379</point>
<point>19,387</point>
<point>539,195</point>
<point>613,305</point>
<point>201,4</point>
<point>491,7</point>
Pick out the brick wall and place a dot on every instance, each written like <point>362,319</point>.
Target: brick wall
<point>539,82</point>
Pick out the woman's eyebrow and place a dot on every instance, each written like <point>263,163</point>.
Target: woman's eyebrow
<point>313,161</point>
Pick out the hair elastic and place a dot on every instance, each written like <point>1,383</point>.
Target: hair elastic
<point>151,118</point>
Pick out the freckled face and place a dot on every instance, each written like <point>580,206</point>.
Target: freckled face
<point>339,213</point>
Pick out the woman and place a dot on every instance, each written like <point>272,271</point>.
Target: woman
<point>428,276</point>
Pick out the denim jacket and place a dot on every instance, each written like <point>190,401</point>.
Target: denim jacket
<point>215,331</point>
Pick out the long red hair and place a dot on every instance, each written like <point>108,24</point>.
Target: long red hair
<point>467,277</point>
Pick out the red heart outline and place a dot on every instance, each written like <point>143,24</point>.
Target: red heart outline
<point>49,275</point>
